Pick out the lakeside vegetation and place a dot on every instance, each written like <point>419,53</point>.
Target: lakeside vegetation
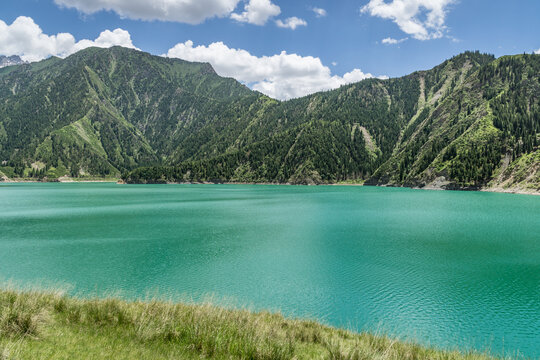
<point>47,325</point>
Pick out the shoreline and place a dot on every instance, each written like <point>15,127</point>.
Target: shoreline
<point>54,325</point>
<point>492,190</point>
<point>511,191</point>
<point>497,190</point>
<point>24,181</point>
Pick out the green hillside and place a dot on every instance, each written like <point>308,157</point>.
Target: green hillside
<point>472,122</point>
<point>103,112</point>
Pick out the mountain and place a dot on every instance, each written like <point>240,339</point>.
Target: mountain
<point>105,111</point>
<point>10,61</point>
<point>472,122</point>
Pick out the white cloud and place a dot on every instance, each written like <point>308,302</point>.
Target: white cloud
<point>291,23</point>
<point>319,12</point>
<point>392,41</point>
<point>26,39</point>
<point>107,39</point>
<point>257,12</point>
<point>537,52</point>
<point>421,19</point>
<point>186,11</point>
<point>282,76</point>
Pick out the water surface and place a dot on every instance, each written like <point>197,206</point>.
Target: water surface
<point>451,269</point>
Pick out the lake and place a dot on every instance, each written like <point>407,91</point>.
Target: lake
<point>450,269</point>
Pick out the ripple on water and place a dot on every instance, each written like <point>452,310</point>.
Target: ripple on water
<point>449,269</point>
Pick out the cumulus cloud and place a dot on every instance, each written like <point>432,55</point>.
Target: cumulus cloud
<point>291,23</point>
<point>537,52</point>
<point>421,19</point>
<point>282,76</point>
<point>26,39</point>
<point>392,41</point>
<point>257,12</point>
<point>319,12</point>
<point>186,11</point>
<point>106,39</point>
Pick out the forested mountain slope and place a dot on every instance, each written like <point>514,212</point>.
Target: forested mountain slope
<point>471,122</point>
<point>484,131</point>
<point>105,111</point>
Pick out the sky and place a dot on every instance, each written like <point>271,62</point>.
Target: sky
<point>283,48</point>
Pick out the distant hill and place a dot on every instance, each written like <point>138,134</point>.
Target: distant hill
<point>472,122</point>
<point>10,61</point>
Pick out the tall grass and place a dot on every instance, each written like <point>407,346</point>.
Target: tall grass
<point>20,316</point>
<point>33,323</point>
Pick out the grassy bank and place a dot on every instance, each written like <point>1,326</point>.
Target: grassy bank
<point>38,325</point>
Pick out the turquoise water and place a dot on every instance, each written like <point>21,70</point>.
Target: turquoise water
<point>451,269</point>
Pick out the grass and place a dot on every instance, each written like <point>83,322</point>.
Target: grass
<point>41,325</point>
<point>351,182</point>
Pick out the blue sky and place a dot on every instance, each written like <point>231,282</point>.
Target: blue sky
<point>242,39</point>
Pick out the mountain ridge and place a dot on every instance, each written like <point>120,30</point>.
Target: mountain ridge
<point>10,61</point>
<point>471,122</point>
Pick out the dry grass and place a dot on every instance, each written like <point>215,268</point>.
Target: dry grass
<point>39,325</point>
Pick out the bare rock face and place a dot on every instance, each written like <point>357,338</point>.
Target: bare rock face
<point>439,183</point>
<point>10,60</point>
